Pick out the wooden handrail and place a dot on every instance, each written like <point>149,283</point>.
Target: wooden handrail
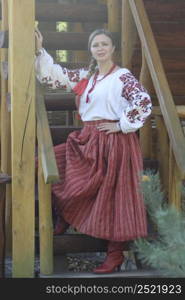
<point>160,83</point>
<point>49,165</point>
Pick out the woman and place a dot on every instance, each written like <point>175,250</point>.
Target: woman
<point>100,165</point>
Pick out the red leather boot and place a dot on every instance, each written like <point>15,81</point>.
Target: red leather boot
<point>113,260</point>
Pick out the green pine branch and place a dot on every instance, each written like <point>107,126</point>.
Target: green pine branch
<point>167,252</point>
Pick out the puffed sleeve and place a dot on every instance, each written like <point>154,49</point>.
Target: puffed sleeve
<point>138,103</point>
<point>55,76</point>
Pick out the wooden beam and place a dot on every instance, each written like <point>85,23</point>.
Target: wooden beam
<point>163,153</point>
<point>2,229</point>
<point>165,11</point>
<point>71,13</point>
<point>45,222</point>
<point>68,40</point>
<point>49,166</point>
<point>175,182</point>
<point>21,53</point>
<point>146,132</point>
<point>128,31</point>
<point>6,131</point>
<point>114,15</point>
<point>156,110</point>
<point>160,83</point>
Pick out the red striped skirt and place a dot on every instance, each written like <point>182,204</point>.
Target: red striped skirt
<point>98,193</point>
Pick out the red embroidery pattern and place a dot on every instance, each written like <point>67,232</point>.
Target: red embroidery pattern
<point>74,75</point>
<point>136,94</point>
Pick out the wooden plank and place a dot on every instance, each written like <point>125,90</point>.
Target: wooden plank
<point>2,229</point>
<point>175,182</point>
<point>168,11</point>
<point>71,13</point>
<point>178,100</point>
<point>21,32</point>
<point>165,10</point>
<point>114,15</point>
<point>60,133</point>
<point>159,80</point>
<point>163,153</point>
<point>123,274</point>
<point>59,101</point>
<point>167,36</point>
<point>79,55</point>
<point>6,132</point>
<point>49,165</point>
<point>173,60</point>
<point>67,41</point>
<point>74,243</point>
<point>156,110</point>
<point>175,81</point>
<point>145,133</point>
<point>45,222</point>
<point>114,22</point>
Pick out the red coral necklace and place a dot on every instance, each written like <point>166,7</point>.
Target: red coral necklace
<point>96,79</point>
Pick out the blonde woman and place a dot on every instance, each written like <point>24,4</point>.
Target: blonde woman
<point>100,165</point>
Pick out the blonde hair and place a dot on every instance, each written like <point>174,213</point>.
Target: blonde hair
<point>93,63</point>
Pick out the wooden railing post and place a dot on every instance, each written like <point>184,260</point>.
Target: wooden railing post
<point>175,182</point>
<point>163,152</point>
<point>45,222</point>
<point>22,90</point>
<point>47,174</point>
<point>145,133</point>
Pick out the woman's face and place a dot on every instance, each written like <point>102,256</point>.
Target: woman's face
<point>102,48</point>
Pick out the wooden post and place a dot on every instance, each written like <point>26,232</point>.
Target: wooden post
<point>129,35</point>
<point>47,173</point>
<point>113,15</point>
<point>80,56</point>
<point>5,129</point>
<point>2,229</point>
<point>22,79</point>
<point>114,24</point>
<point>45,223</point>
<point>175,182</point>
<point>163,152</point>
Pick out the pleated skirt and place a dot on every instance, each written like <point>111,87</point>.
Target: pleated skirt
<point>99,191</point>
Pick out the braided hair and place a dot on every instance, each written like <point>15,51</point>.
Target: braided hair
<point>93,63</point>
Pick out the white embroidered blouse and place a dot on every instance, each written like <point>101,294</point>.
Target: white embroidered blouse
<point>119,96</point>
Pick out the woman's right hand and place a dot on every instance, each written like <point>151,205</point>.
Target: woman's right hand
<point>38,40</point>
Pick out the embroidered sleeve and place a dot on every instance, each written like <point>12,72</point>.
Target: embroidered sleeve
<point>55,76</point>
<point>138,106</point>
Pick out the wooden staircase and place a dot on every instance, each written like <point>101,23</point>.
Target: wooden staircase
<point>167,21</point>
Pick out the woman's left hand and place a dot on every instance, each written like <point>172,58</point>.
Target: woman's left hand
<point>108,127</point>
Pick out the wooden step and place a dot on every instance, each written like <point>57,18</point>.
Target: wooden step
<point>60,133</point>
<point>122,274</point>
<point>76,243</point>
<point>60,100</point>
